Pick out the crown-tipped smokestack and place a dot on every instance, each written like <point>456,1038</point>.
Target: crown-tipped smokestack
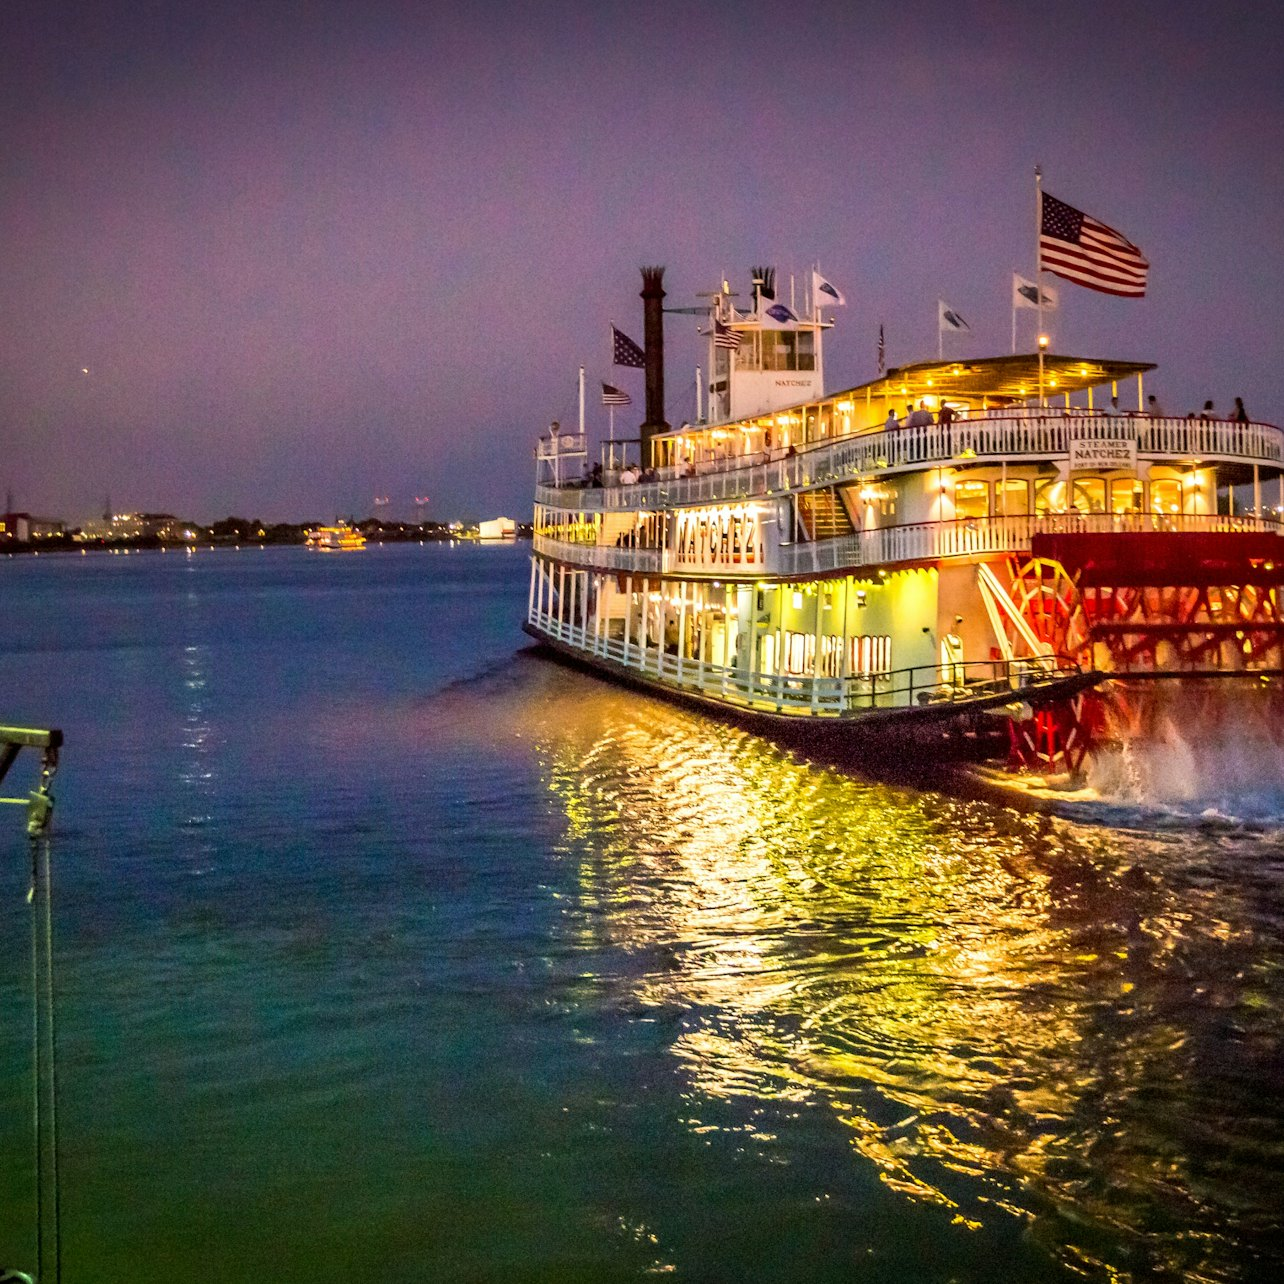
<point>653,340</point>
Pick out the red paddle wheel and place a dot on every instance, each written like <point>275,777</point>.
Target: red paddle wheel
<point>1055,739</point>
<point>1145,605</point>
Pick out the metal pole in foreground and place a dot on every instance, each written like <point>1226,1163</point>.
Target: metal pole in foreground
<point>39,804</point>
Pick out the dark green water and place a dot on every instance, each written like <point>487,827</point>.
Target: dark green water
<point>389,952</point>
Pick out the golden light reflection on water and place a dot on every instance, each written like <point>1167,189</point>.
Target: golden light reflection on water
<point>993,1005</point>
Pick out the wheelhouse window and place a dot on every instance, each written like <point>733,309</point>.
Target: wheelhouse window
<point>778,350</point>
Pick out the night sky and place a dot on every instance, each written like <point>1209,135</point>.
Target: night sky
<point>313,253</point>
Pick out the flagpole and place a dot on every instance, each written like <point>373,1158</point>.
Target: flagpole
<point>1014,298</point>
<point>1038,255</point>
<point>940,331</point>
<point>581,401</point>
<point>611,429</point>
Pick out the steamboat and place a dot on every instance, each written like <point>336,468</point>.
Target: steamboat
<point>956,557</point>
<point>339,538</point>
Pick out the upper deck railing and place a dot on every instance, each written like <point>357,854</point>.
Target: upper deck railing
<point>993,435</point>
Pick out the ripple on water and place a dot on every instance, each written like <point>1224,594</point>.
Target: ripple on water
<point>464,966</point>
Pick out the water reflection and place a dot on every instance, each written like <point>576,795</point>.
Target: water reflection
<point>196,773</point>
<point>1009,1016</point>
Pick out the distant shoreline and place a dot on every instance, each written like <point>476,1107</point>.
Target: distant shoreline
<point>204,540</point>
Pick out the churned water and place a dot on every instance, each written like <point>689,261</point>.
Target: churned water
<point>388,951</point>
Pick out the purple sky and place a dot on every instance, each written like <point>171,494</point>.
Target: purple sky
<point>313,253</point>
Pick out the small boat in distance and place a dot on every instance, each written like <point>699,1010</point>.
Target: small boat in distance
<point>339,538</point>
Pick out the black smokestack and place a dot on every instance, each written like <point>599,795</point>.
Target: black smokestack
<point>653,340</point>
<point>764,284</point>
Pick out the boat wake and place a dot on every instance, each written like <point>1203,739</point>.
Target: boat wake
<point>1175,753</point>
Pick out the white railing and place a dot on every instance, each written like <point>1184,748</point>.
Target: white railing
<point>606,556</point>
<point>996,436</point>
<point>928,541</point>
<point>924,541</point>
<point>561,444</point>
<point>922,685</point>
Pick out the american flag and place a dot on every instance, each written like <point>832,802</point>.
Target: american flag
<point>612,396</point>
<point>882,352</point>
<point>724,336</point>
<point>1078,247</point>
<point>625,352</point>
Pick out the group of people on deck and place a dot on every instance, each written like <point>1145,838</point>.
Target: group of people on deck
<point>922,417</point>
<point>1208,414</point>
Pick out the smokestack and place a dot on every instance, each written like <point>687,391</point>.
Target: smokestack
<point>653,340</point>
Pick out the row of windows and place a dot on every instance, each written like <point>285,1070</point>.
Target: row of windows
<point>865,655</point>
<point>777,350</point>
<point>1012,497</point>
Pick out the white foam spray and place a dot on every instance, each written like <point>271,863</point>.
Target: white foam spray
<point>1211,748</point>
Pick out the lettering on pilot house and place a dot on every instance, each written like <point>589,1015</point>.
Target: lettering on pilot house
<point>1094,455</point>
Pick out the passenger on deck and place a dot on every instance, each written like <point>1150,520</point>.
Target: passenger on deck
<point>1154,409</point>
<point>1112,408</point>
<point>1240,415</point>
<point>1208,412</point>
<point>920,418</point>
<point>945,416</point>
<point>892,421</point>
<point>628,476</point>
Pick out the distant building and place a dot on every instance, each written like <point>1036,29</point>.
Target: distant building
<point>23,528</point>
<point>497,528</point>
<point>130,526</point>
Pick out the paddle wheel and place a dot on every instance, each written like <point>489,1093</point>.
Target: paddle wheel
<point>1143,606</point>
<point>1055,738</point>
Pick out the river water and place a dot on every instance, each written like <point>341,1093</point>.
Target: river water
<point>390,951</point>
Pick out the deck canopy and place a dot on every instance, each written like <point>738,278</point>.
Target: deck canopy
<point>1015,378</point>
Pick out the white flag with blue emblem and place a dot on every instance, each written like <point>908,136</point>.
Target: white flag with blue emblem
<point>776,316</point>
<point>825,294</point>
<point>1025,293</point>
<point>949,319</point>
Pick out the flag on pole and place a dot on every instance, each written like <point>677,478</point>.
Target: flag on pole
<point>824,294</point>
<point>882,352</point>
<point>625,352</point>
<point>948,319</point>
<point>612,396</point>
<point>1083,250</point>
<point>776,316</point>
<point>724,336</point>
<point>1025,293</point>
